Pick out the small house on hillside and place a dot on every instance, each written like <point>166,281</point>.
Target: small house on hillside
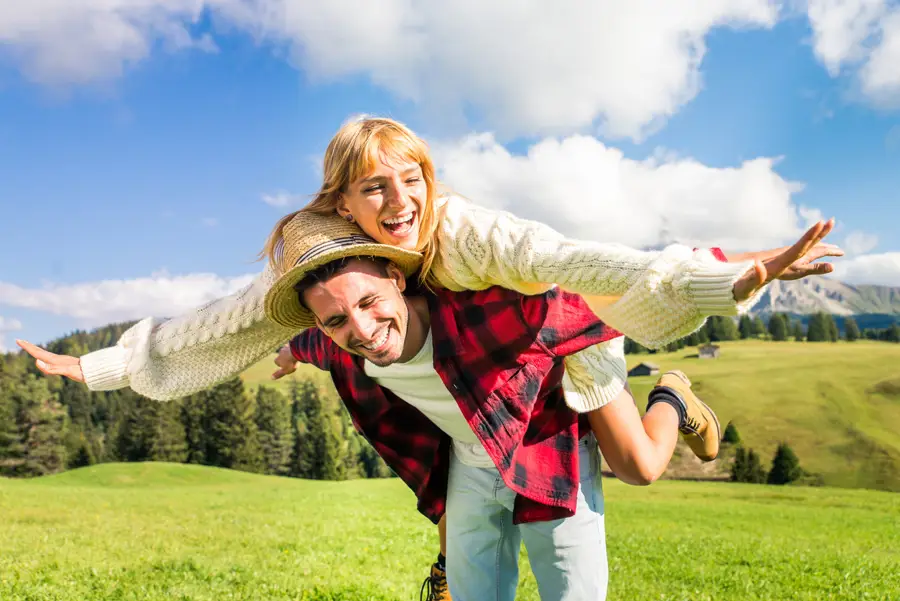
<point>709,351</point>
<point>644,369</point>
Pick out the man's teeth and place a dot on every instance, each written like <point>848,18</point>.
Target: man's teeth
<point>398,220</point>
<point>381,340</point>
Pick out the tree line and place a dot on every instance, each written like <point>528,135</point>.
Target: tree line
<point>747,466</point>
<point>779,327</point>
<point>51,424</point>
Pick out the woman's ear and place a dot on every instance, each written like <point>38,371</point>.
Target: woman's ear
<point>341,207</point>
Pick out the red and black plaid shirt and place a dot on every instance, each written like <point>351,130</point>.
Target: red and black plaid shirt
<point>500,355</point>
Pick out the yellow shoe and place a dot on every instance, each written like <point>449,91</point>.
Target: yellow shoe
<point>436,586</point>
<point>700,428</point>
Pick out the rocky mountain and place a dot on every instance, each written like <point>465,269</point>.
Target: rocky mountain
<point>812,295</point>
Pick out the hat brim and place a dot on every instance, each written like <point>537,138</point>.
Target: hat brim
<point>282,304</point>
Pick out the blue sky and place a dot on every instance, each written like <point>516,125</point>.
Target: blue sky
<point>138,149</point>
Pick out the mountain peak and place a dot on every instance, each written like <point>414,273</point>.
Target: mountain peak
<point>820,294</point>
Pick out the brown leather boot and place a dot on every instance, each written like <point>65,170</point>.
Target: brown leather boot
<point>700,427</point>
<point>435,586</point>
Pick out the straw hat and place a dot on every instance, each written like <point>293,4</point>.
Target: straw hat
<point>310,241</point>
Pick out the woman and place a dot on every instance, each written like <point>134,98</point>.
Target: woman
<point>379,175</point>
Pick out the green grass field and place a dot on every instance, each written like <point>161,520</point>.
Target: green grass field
<point>837,405</point>
<point>163,531</point>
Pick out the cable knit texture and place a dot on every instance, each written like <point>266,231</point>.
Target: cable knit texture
<point>169,359</point>
<point>653,297</point>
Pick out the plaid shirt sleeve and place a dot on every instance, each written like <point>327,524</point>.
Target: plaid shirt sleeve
<point>312,346</point>
<point>718,254</point>
<point>563,323</point>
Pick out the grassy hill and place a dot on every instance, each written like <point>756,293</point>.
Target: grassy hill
<point>837,405</point>
<point>163,531</point>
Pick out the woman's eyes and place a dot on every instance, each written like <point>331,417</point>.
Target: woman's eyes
<point>377,187</point>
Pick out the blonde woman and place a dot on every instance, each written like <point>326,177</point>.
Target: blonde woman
<point>379,175</point>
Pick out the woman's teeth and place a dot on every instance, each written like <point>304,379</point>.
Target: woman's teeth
<point>399,224</point>
<point>379,342</point>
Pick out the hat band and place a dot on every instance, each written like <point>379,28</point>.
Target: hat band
<point>315,251</point>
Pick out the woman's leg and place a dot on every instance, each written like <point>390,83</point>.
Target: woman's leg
<point>638,450</point>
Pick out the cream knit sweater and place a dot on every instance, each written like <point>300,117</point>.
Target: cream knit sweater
<point>662,296</point>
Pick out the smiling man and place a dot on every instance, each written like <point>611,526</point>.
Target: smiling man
<point>461,394</point>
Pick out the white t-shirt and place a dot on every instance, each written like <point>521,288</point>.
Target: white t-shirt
<point>417,383</point>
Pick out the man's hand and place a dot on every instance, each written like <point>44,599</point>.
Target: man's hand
<point>285,362</point>
<point>789,263</point>
<point>52,364</point>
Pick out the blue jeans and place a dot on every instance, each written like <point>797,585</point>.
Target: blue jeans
<point>567,556</point>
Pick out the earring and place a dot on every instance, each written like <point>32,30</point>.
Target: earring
<point>349,218</point>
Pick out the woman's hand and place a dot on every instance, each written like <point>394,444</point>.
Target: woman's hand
<point>52,364</point>
<point>788,263</point>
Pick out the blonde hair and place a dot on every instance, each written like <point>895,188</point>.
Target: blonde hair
<point>354,152</point>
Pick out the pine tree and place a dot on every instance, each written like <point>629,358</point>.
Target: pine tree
<point>831,328</point>
<point>797,331</point>
<point>785,466</point>
<point>817,330</point>
<point>12,451</point>
<point>778,327</point>
<point>229,428</point>
<point>274,432</point>
<point>759,328</point>
<point>43,423</point>
<point>892,334</point>
<point>745,327</point>
<point>169,442</point>
<point>152,431</point>
<point>219,427</point>
<point>755,472</point>
<point>693,339</point>
<point>851,330</point>
<point>633,348</point>
<point>82,457</point>
<point>720,328</point>
<point>318,448</point>
<point>739,467</point>
<point>731,435</point>
<point>371,463</point>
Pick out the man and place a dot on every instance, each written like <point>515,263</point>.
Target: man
<point>460,393</point>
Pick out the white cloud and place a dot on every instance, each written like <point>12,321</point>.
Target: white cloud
<point>282,199</point>
<point>528,67</point>
<point>98,303</point>
<point>586,189</point>
<point>882,269</point>
<point>7,324</point>
<point>859,243</point>
<point>66,42</point>
<point>861,37</point>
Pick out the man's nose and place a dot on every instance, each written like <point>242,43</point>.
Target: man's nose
<point>363,326</point>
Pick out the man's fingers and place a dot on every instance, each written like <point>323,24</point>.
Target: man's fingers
<point>280,373</point>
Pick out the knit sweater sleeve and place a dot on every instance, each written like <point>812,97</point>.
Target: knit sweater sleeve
<point>595,376</point>
<point>169,359</point>
<point>652,297</point>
